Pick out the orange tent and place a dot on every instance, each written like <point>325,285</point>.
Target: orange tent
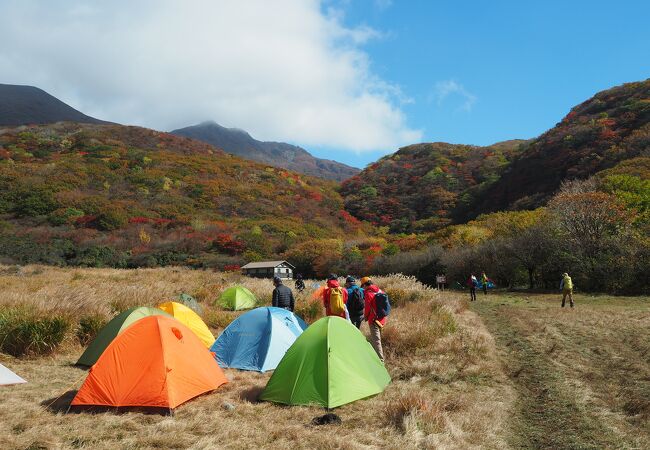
<point>156,362</point>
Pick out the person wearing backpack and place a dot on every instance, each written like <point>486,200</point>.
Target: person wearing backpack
<point>334,298</point>
<point>356,303</point>
<point>376,310</point>
<point>484,282</point>
<point>566,286</point>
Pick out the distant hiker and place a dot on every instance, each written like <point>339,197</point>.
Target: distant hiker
<point>300,284</point>
<point>484,282</point>
<point>566,286</point>
<point>282,295</point>
<point>335,298</point>
<point>472,283</point>
<point>356,302</point>
<point>375,313</point>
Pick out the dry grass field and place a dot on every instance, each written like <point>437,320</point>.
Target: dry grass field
<point>448,390</point>
<point>582,375</point>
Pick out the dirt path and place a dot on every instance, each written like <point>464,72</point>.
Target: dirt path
<point>561,386</point>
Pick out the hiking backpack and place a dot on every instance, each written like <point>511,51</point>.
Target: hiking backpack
<point>382,305</point>
<point>356,303</point>
<point>337,306</point>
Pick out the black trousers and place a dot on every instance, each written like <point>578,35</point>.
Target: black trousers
<point>356,322</point>
<point>472,293</point>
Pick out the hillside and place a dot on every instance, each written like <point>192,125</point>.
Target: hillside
<point>427,186</point>
<point>279,154</point>
<point>424,187</point>
<point>612,126</point>
<point>28,105</point>
<point>117,195</point>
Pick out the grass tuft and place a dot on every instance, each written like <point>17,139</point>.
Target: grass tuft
<point>88,328</point>
<point>24,332</point>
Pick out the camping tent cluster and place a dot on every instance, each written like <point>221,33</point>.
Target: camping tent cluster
<point>162,357</point>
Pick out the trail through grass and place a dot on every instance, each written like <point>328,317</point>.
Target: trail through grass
<point>582,376</point>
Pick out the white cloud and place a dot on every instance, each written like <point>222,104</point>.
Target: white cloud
<point>283,70</point>
<point>451,88</point>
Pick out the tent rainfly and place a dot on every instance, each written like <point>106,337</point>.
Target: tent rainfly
<point>156,363</point>
<point>118,324</point>
<point>330,364</point>
<point>258,339</point>
<point>236,298</point>
<point>7,377</point>
<point>190,319</point>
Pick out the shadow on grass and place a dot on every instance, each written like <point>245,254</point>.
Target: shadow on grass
<point>62,405</point>
<point>59,404</point>
<point>252,395</point>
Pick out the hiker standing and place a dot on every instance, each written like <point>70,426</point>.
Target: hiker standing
<point>566,286</point>
<point>484,281</point>
<point>300,284</point>
<point>472,282</point>
<point>335,298</point>
<point>282,295</point>
<point>356,302</point>
<point>375,322</point>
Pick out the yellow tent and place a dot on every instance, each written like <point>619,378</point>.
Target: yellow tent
<point>190,319</point>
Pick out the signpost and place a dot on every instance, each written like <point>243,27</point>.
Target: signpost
<point>441,280</point>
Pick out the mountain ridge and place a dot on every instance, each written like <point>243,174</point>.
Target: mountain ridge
<point>30,105</point>
<point>280,154</point>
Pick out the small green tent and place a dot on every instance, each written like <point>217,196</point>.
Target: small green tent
<point>190,302</point>
<point>236,298</point>
<point>118,324</point>
<point>330,364</point>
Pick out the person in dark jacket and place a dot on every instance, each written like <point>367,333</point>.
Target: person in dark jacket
<point>356,302</point>
<point>282,295</point>
<point>300,283</point>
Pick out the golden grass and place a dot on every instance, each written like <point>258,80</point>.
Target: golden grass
<point>448,392</point>
<point>590,365</point>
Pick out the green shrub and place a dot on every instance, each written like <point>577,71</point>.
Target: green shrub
<point>100,256</point>
<point>111,219</point>
<point>34,201</point>
<point>63,216</point>
<point>88,328</point>
<point>24,332</point>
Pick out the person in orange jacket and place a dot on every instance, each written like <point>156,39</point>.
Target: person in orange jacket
<point>375,324</point>
<point>333,284</point>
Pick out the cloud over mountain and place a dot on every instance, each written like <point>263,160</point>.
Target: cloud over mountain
<point>282,69</point>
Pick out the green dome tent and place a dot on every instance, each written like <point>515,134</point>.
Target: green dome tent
<point>330,364</point>
<point>118,324</point>
<point>236,298</point>
<point>190,302</point>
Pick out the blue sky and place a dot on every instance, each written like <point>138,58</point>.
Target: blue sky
<point>350,80</point>
<point>479,72</point>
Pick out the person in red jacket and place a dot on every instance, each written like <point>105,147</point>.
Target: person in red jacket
<point>370,313</point>
<point>333,284</point>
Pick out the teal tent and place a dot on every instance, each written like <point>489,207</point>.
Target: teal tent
<point>237,297</point>
<point>118,324</point>
<point>330,364</point>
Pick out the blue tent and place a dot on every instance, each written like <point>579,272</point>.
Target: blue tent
<point>258,339</point>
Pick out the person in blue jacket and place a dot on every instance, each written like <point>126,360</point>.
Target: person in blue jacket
<point>356,302</point>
